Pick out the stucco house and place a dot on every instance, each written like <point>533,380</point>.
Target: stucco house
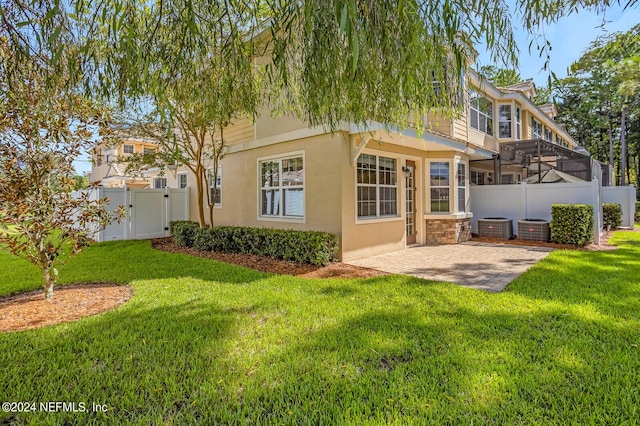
<point>379,190</point>
<point>109,166</point>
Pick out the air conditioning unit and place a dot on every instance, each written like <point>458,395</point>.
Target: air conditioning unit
<point>496,227</point>
<point>533,230</point>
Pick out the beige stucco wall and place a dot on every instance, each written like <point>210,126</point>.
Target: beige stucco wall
<point>322,180</point>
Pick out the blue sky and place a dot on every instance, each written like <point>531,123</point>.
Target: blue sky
<point>569,38</point>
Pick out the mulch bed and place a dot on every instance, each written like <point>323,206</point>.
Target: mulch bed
<point>69,303</point>
<point>603,246</point>
<point>269,265</point>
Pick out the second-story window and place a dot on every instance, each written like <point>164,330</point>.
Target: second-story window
<point>504,124</point>
<point>480,113</point>
<point>518,122</point>
<point>548,134</point>
<point>536,129</point>
<point>149,151</point>
<point>127,149</point>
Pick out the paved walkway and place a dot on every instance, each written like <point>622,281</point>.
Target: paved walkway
<point>483,266</point>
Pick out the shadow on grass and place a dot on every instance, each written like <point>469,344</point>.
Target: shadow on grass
<point>146,364</point>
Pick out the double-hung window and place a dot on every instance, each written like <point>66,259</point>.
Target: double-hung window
<point>548,134</point>
<point>480,113</point>
<point>518,122</point>
<point>439,183</point>
<point>477,178</point>
<point>182,180</point>
<point>282,187</point>
<point>127,149</point>
<point>377,186</point>
<point>462,187</point>
<point>504,124</point>
<point>215,183</point>
<point>159,182</point>
<point>536,129</point>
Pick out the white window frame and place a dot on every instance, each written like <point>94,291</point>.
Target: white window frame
<point>124,149</point>
<point>518,120</point>
<point>281,217</point>
<point>158,178</point>
<point>475,181</point>
<point>474,109</point>
<point>548,134</point>
<point>464,187</point>
<point>149,151</point>
<point>535,124</point>
<point>377,185</point>
<point>217,182</point>
<point>508,118</point>
<point>449,187</point>
<point>186,180</point>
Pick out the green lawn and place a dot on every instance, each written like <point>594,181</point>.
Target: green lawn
<point>204,342</point>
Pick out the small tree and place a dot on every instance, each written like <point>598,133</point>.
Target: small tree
<point>43,128</point>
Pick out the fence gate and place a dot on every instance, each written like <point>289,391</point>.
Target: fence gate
<point>149,212</point>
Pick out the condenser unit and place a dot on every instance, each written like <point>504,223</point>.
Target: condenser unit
<point>496,227</point>
<point>533,230</point>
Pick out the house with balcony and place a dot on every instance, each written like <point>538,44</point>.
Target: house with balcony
<point>382,189</point>
<point>109,165</point>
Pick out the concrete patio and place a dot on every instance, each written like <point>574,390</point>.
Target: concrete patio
<point>483,266</point>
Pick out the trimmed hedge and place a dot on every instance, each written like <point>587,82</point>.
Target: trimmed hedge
<point>316,248</point>
<point>571,224</point>
<point>183,232</point>
<point>611,215</point>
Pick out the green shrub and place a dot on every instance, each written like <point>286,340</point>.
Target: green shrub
<point>316,248</point>
<point>183,232</point>
<point>611,215</point>
<point>571,224</point>
<point>637,219</point>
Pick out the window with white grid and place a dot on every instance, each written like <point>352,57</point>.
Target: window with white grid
<point>282,187</point>
<point>377,186</point>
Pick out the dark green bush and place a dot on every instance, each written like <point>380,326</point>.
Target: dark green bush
<point>571,224</point>
<point>611,215</point>
<point>637,219</point>
<point>183,232</point>
<point>316,248</point>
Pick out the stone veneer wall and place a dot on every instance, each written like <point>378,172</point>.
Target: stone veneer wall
<point>448,231</point>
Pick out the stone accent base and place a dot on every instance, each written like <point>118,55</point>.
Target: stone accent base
<point>448,231</point>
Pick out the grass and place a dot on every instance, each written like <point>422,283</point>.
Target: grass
<point>204,342</point>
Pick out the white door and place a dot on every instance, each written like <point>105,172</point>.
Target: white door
<point>148,210</point>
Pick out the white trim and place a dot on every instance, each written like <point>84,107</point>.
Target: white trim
<point>210,169</point>
<point>186,180</point>
<point>418,200</point>
<point>281,218</point>
<point>458,160</point>
<point>399,188</point>
<point>427,184</point>
<point>450,216</point>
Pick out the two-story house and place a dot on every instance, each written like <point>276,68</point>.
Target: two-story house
<point>379,190</point>
<point>109,165</point>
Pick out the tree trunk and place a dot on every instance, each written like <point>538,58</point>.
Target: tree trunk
<point>49,282</point>
<point>199,190</point>
<point>623,147</point>
<point>611,158</point>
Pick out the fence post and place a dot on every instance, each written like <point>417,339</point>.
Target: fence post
<point>524,200</point>
<point>632,205</point>
<point>597,211</point>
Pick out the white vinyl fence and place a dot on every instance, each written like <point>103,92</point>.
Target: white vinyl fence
<point>149,212</point>
<point>533,201</point>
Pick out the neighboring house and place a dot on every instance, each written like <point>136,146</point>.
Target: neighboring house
<point>109,165</point>
<point>379,190</point>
